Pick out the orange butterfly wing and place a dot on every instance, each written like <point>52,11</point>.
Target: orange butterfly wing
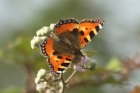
<point>57,63</point>
<point>66,25</point>
<point>88,28</point>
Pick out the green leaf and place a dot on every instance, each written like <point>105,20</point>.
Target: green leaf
<point>90,53</point>
<point>114,65</point>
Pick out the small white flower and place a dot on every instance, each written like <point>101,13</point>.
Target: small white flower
<point>41,86</point>
<point>43,31</point>
<point>35,42</point>
<point>41,73</point>
<point>42,38</point>
<point>37,80</point>
<point>52,26</point>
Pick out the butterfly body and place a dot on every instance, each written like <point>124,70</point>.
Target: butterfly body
<point>64,45</point>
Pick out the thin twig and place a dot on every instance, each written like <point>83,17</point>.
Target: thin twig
<point>70,77</point>
<point>66,82</point>
<point>63,82</point>
<point>59,78</point>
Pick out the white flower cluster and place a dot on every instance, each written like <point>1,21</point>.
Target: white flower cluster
<point>41,35</point>
<point>41,84</point>
<point>43,31</point>
<point>36,41</point>
<point>46,83</point>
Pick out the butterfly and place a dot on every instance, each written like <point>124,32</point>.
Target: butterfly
<point>68,37</point>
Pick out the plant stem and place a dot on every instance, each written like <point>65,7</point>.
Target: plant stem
<point>63,82</point>
<point>70,77</point>
<point>66,82</point>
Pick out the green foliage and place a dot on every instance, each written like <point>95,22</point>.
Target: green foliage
<point>84,89</point>
<point>113,65</point>
<point>90,53</point>
<point>12,90</point>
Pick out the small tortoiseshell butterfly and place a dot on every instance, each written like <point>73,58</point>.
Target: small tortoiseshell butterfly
<point>69,37</point>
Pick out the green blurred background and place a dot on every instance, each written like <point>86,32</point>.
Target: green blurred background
<point>20,19</point>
